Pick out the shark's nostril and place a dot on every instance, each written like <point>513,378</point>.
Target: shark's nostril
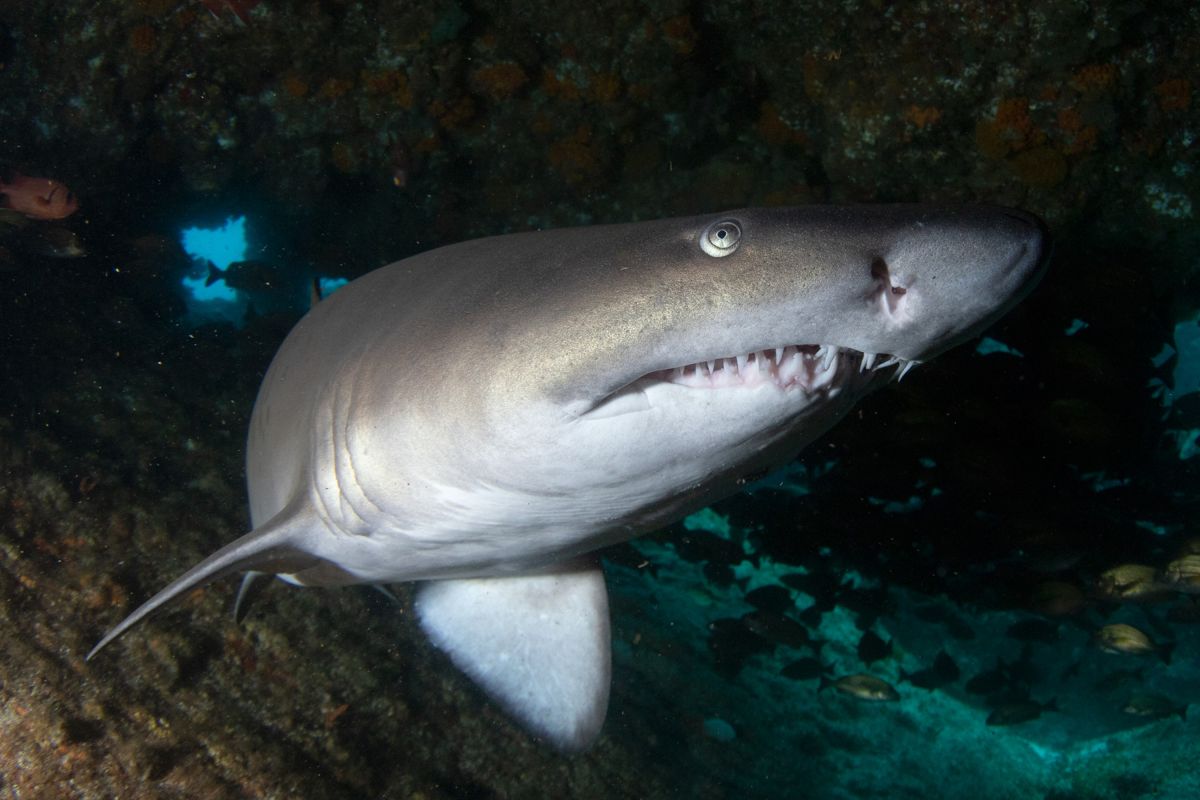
<point>890,294</point>
<point>879,270</point>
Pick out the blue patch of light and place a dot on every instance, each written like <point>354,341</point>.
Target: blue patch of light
<point>1075,327</point>
<point>989,345</point>
<point>1164,355</point>
<point>222,246</point>
<point>1187,368</point>
<point>331,285</point>
<point>1185,378</point>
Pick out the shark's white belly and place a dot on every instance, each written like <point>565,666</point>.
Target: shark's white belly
<point>592,483</point>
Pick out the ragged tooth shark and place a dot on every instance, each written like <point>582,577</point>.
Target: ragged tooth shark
<point>485,416</point>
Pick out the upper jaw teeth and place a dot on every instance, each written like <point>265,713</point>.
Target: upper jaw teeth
<point>811,367</point>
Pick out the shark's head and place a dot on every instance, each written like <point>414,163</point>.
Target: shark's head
<point>677,352</point>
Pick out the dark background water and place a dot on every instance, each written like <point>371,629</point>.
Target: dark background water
<point>352,135</point>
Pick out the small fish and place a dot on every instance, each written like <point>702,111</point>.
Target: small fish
<point>959,628</point>
<point>943,671</point>
<point>1154,706</point>
<point>780,629</point>
<point>868,604</point>
<point>39,198</point>
<point>1127,640</point>
<point>1053,562</point>
<point>248,276</point>
<point>956,626</point>
<point>1023,671</point>
<point>1039,562</point>
<point>1018,711</point>
<point>1190,547</point>
<point>862,686</point>
<point>1033,630</point>
<point>11,220</point>
<point>872,648</point>
<point>806,669</point>
<point>990,681</point>
<point>1129,582</point>
<point>824,588</point>
<point>731,642</point>
<point>1058,599</point>
<point>1120,679</point>
<point>812,616</point>
<point>701,545</point>
<point>50,241</point>
<point>719,574</point>
<point>1183,574</point>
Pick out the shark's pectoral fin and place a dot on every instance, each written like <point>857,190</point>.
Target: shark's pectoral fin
<point>277,546</point>
<point>538,644</point>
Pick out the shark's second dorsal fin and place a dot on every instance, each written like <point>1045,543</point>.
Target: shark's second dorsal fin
<point>538,644</point>
<point>275,546</point>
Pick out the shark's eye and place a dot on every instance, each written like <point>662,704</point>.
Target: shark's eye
<point>721,238</point>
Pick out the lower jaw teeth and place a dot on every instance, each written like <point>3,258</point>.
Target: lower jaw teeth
<point>811,367</point>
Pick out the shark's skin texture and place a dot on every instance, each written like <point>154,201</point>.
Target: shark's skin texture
<point>485,416</point>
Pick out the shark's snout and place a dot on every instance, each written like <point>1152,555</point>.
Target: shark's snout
<point>1028,239</point>
<point>1033,255</point>
<point>959,271</point>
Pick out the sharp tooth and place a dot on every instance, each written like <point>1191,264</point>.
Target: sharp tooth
<point>741,363</point>
<point>831,354</point>
<point>702,367</point>
<point>712,366</point>
<point>868,360</point>
<point>904,370</point>
<point>778,355</point>
<point>762,360</point>
<point>889,362</point>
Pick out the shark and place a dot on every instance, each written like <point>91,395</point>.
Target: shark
<point>482,418</point>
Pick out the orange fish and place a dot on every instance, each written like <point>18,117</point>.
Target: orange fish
<point>39,198</point>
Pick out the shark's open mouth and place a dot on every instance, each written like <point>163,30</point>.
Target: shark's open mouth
<point>810,367</point>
